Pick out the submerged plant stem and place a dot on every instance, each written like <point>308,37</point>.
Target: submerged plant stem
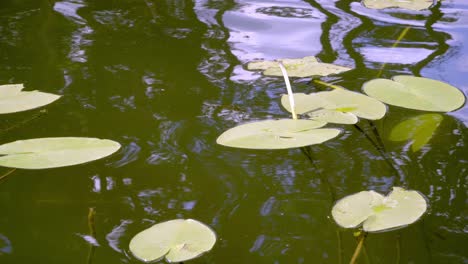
<point>359,247</point>
<point>308,153</point>
<point>381,151</point>
<point>92,232</point>
<point>6,174</point>
<point>290,92</point>
<point>37,115</point>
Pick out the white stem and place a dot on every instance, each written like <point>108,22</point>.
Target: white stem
<point>292,104</point>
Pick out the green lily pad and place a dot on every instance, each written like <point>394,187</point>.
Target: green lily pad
<point>13,100</point>
<point>359,104</point>
<point>416,93</point>
<point>43,153</point>
<point>176,240</point>
<point>338,106</point>
<point>420,129</point>
<point>333,116</point>
<point>407,4</point>
<point>277,134</point>
<point>379,213</point>
<point>305,67</point>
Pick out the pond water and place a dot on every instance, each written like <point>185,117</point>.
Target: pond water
<point>166,77</point>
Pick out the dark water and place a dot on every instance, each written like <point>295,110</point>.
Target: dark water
<point>165,78</point>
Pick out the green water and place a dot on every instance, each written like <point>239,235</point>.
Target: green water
<point>165,78</point>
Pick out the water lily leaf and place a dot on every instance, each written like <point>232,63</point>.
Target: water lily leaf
<point>13,100</point>
<point>42,153</point>
<point>359,104</point>
<point>305,67</point>
<point>416,93</point>
<point>277,134</point>
<point>333,116</point>
<point>176,240</point>
<point>304,103</point>
<point>339,106</point>
<point>420,129</point>
<point>409,4</point>
<point>379,213</point>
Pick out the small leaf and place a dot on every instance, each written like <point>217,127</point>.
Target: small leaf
<point>277,134</point>
<point>415,93</point>
<point>419,128</point>
<point>378,213</point>
<point>408,4</point>
<point>305,67</point>
<point>176,240</point>
<point>42,153</point>
<point>12,99</point>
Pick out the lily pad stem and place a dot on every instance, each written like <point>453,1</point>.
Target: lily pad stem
<point>290,92</point>
<point>92,232</point>
<point>360,244</point>
<point>6,174</point>
<point>328,84</point>
<point>37,115</point>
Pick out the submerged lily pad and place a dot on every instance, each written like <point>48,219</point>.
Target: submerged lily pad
<point>277,134</point>
<point>42,153</point>
<point>176,240</point>
<point>305,67</point>
<point>338,106</point>
<point>13,99</point>
<point>420,129</point>
<point>416,93</point>
<point>406,4</point>
<point>377,212</point>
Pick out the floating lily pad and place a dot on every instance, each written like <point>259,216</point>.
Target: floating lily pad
<point>416,93</point>
<point>420,129</point>
<point>176,240</point>
<point>406,4</point>
<point>338,106</point>
<point>359,104</point>
<point>42,153</point>
<point>277,134</point>
<point>305,67</point>
<point>333,116</point>
<point>377,212</point>
<point>13,99</point>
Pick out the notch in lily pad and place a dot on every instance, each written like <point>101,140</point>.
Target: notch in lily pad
<point>175,240</point>
<point>378,213</point>
<point>43,153</point>
<point>416,93</point>
<point>277,134</point>
<point>13,99</point>
<point>304,67</point>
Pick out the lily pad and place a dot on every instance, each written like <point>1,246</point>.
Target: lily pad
<point>420,129</point>
<point>333,116</point>
<point>416,93</point>
<point>43,153</point>
<point>13,99</point>
<point>277,134</point>
<point>305,67</point>
<point>338,106</point>
<point>379,213</point>
<point>407,4</point>
<point>176,240</point>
